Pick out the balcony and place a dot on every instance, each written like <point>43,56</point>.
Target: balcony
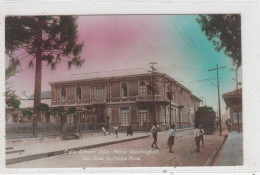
<point>149,98</point>
<point>98,101</point>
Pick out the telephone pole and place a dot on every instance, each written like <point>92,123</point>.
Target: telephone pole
<point>219,110</point>
<point>237,100</point>
<point>153,71</point>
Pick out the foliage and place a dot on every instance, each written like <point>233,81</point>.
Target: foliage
<point>57,111</point>
<point>58,39</point>
<point>43,108</point>
<point>12,101</point>
<point>225,33</point>
<point>11,70</point>
<point>71,111</point>
<point>26,112</point>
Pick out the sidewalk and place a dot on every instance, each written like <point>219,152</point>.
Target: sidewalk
<point>31,149</point>
<point>36,150</point>
<point>232,154</point>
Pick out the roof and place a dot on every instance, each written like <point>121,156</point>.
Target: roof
<point>101,75</point>
<point>232,93</point>
<point>44,95</point>
<point>29,103</point>
<point>114,75</point>
<point>197,98</point>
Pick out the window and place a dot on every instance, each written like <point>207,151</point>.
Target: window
<point>235,117</point>
<point>78,93</point>
<point>142,118</point>
<point>142,89</point>
<point>124,90</point>
<point>124,116</point>
<point>100,92</point>
<point>63,94</point>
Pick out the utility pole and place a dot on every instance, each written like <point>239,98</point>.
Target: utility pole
<point>219,113</point>
<point>153,71</point>
<point>237,100</point>
<point>169,95</point>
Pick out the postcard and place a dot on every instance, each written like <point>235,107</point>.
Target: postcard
<point>116,92</point>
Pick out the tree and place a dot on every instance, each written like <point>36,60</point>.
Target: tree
<point>27,113</point>
<point>59,111</point>
<point>72,111</point>
<point>12,101</point>
<point>42,108</point>
<point>225,33</point>
<point>50,39</point>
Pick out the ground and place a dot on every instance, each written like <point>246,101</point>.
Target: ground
<point>136,153</point>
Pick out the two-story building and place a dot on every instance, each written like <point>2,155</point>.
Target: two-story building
<point>136,99</point>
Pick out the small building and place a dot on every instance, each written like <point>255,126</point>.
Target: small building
<point>121,100</point>
<point>233,102</point>
<point>27,103</point>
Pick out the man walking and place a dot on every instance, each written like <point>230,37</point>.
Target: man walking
<point>171,136</point>
<point>201,135</point>
<point>197,138</point>
<point>154,132</point>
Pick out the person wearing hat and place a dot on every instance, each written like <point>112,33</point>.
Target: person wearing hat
<point>171,136</point>
<point>201,135</point>
<point>154,132</point>
<point>197,137</point>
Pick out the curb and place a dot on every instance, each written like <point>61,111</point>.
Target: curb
<point>63,151</point>
<point>214,154</point>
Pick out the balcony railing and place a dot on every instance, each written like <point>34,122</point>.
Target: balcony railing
<point>145,98</point>
<point>151,98</point>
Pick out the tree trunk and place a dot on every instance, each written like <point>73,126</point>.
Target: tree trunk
<point>76,128</point>
<point>38,75</point>
<point>62,126</point>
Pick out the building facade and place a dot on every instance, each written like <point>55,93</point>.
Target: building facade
<point>233,101</point>
<point>139,100</point>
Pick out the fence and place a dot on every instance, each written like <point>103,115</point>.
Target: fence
<point>24,130</point>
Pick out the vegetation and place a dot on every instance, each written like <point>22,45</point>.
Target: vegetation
<point>49,39</point>
<point>225,33</point>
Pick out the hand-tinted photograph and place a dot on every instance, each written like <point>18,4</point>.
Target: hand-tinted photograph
<point>123,91</point>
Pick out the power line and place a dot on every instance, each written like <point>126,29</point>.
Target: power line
<point>183,38</point>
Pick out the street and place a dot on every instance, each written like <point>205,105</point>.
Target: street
<point>136,153</point>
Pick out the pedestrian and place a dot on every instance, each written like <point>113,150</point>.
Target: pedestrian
<point>229,125</point>
<point>171,136</point>
<point>197,138</point>
<point>104,130</point>
<point>217,124</point>
<point>113,128</point>
<point>154,131</point>
<point>116,131</point>
<point>202,132</point>
<point>129,130</point>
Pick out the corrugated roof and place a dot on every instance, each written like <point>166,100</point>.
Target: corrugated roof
<point>44,95</point>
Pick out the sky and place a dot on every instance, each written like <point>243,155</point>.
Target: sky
<point>117,42</point>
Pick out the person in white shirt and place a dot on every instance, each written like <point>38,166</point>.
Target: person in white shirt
<point>154,132</point>
<point>197,138</point>
<point>171,136</point>
<point>202,132</point>
<point>104,130</point>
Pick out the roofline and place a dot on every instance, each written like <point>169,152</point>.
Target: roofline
<point>194,96</point>
<point>118,77</point>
